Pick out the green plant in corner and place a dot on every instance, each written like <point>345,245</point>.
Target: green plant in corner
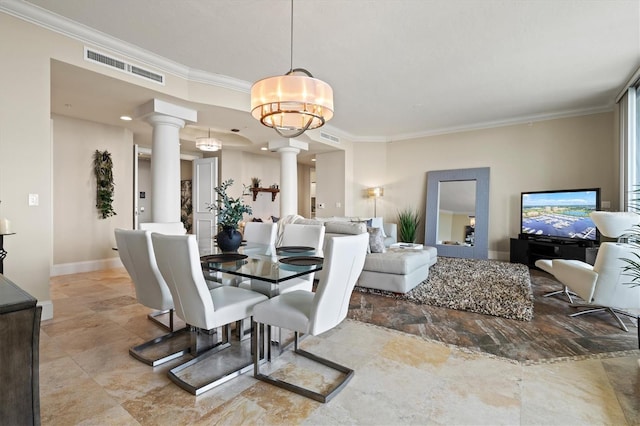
<point>103,169</point>
<point>408,221</point>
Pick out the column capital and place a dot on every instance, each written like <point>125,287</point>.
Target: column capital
<point>288,145</point>
<point>155,119</point>
<point>159,107</point>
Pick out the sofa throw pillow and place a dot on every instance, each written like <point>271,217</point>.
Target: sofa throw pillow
<point>376,241</point>
<point>351,228</point>
<point>376,222</point>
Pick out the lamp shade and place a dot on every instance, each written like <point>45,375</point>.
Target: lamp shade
<point>376,192</point>
<point>208,144</point>
<point>292,102</point>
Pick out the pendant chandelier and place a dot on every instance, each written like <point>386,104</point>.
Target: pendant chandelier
<point>292,103</point>
<point>207,143</point>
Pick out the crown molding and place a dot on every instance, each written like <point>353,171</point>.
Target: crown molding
<point>475,126</point>
<point>504,123</point>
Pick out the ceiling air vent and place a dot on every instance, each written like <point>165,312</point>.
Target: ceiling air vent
<point>329,137</point>
<point>109,61</point>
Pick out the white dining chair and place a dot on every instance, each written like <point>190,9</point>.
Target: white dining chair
<point>167,228</point>
<point>179,262</point>
<point>315,313</point>
<point>297,235</point>
<point>136,253</point>
<point>260,233</point>
<point>307,236</point>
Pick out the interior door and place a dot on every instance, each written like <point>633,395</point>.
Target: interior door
<point>205,178</point>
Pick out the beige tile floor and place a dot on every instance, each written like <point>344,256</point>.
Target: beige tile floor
<point>88,377</point>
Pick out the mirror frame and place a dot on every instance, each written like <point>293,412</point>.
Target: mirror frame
<point>480,249</point>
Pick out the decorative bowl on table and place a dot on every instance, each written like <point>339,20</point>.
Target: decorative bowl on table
<point>295,251</point>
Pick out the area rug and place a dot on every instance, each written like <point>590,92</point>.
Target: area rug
<point>487,287</point>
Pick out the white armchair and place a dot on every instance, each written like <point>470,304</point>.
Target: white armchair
<point>604,286</point>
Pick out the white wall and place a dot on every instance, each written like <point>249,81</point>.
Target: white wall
<point>304,190</point>
<point>576,152</point>
<point>370,169</point>
<point>79,232</point>
<point>25,155</point>
<point>330,183</point>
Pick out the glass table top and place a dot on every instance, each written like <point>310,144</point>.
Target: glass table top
<point>262,262</point>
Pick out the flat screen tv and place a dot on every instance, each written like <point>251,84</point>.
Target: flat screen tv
<point>560,215</point>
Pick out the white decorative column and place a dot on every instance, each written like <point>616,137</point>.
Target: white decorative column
<point>288,149</point>
<point>167,120</point>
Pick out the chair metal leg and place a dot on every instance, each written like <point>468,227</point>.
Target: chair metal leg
<point>138,351</point>
<point>242,332</point>
<point>154,317</point>
<point>279,342</point>
<point>320,397</point>
<point>212,367</point>
<point>565,290</point>
<point>612,311</point>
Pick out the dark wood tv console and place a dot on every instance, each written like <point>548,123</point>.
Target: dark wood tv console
<point>528,251</point>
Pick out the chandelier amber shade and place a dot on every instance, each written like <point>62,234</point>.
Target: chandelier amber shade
<point>292,103</point>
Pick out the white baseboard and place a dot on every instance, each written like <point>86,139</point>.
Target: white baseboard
<point>87,266</point>
<point>47,309</point>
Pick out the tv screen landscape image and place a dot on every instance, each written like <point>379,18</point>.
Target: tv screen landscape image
<point>562,215</point>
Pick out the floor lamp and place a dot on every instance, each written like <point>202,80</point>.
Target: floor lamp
<point>375,192</point>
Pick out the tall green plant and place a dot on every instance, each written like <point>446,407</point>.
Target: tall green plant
<point>408,221</point>
<point>103,169</point>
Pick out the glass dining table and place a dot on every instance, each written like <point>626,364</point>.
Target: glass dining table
<point>264,265</point>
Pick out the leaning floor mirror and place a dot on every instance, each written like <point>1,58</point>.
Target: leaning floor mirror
<point>457,209</point>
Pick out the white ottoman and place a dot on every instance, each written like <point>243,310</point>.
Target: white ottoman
<point>397,270</point>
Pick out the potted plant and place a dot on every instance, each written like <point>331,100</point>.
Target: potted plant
<point>408,220</point>
<point>230,211</point>
<point>255,182</point>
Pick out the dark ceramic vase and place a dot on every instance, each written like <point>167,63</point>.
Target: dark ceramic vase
<point>229,239</point>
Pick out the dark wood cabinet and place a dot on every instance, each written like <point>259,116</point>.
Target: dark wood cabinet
<point>528,251</point>
<point>19,356</point>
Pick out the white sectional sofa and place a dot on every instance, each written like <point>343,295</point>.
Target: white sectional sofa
<point>395,270</point>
